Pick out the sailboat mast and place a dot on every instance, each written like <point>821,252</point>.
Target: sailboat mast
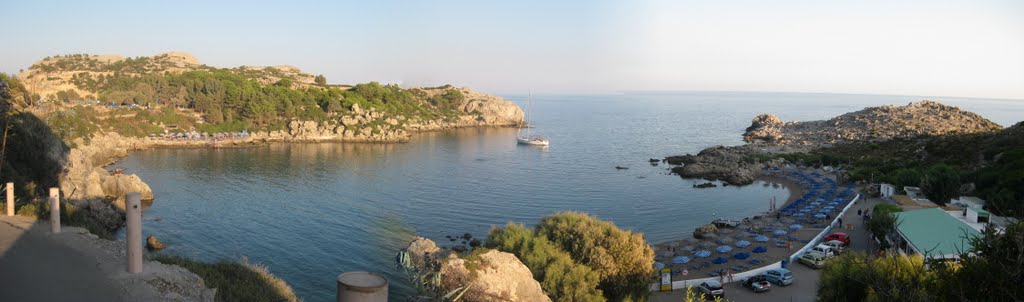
<point>529,114</point>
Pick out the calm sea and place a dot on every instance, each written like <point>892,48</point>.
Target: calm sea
<point>312,211</point>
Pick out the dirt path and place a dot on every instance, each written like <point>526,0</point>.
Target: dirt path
<point>35,267</point>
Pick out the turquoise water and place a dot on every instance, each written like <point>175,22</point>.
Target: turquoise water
<point>312,211</point>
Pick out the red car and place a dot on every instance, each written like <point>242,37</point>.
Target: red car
<point>845,239</point>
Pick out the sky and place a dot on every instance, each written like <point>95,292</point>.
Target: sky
<point>972,48</point>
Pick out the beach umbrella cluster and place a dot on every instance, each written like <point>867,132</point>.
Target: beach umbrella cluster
<point>794,227</point>
<point>780,232</point>
<point>681,260</point>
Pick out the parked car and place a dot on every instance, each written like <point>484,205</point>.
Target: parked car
<point>825,250</point>
<point>843,237</point>
<point>711,289</point>
<point>836,246</point>
<point>780,276</point>
<point>814,260</point>
<point>757,283</point>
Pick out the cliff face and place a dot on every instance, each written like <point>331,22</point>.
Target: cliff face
<point>925,118</point>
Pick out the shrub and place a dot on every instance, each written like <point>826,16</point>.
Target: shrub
<point>621,258</point>
<point>236,281</point>
<point>561,278</point>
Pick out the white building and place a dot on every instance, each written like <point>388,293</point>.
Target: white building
<point>887,190</point>
<point>969,202</point>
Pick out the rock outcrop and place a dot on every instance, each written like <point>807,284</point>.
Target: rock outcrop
<point>732,165</point>
<point>491,275</point>
<point>925,118</point>
<point>702,231</point>
<point>84,178</point>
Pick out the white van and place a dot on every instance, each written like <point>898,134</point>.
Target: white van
<point>824,250</point>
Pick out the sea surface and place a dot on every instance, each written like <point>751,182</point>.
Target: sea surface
<point>312,211</point>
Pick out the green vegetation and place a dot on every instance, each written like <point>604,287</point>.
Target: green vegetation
<point>994,162</point>
<point>236,281</point>
<point>563,279</point>
<point>883,222</point>
<point>991,271</point>
<point>571,251</point>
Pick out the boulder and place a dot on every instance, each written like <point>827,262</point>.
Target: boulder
<point>422,250</point>
<point>701,231</point>
<point>153,244</point>
<point>115,186</point>
<point>493,276</point>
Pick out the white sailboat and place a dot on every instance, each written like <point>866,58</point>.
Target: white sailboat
<point>529,138</point>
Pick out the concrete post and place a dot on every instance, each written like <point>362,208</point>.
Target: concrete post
<point>362,287</point>
<point>133,219</point>
<point>55,210</point>
<point>10,199</point>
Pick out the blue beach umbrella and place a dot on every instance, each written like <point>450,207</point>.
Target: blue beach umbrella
<point>658,266</point>
<point>719,260</point>
<point>760,249</point>
<point>798,215</point>
<point>702,253</point>
<point>741,255</point>
<point>761,238</point>
<point>794,227</point>
<point>742,243</point>
<point>724,249</point>
<point>780,232</point>
<point>819,216</point>
<point>681,260</point>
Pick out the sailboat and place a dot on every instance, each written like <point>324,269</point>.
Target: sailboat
<point>529,138</point>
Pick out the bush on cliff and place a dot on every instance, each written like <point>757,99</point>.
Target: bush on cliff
<point>622,258</point>
<point>561,278</point>
<point>571,252</point>
<point>236,281</point>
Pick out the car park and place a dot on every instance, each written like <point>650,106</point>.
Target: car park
<point>711,288</point>
<point>779,276</point>
<point>836,245</point>
<point>840,236</point>
<point>825,250</point>
<point>814,260</point>
<point>758,283</point>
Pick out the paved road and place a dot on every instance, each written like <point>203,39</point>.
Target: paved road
<point>34,267</point>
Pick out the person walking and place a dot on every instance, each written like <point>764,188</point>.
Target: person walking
<point>858,212</point>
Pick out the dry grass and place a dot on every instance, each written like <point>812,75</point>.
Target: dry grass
<point>236,281</point>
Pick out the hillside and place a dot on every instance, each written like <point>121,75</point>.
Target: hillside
<point>925,118</point>
<point>175,93</point>
<point>87,75</point>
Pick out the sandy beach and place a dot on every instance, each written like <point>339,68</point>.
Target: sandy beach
<point>772,247</point>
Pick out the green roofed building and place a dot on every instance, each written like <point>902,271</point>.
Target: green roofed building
<point>933,233</point>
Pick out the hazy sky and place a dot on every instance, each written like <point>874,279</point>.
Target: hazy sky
<point>972,48</point>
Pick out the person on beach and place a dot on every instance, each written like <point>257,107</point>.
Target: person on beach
<point>721,276</point>
<point>858,212</point>
<point>789,245</point>
<point>729,273</point>
<point>840,221</point>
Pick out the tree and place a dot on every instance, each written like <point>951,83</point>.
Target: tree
<point>941,183</point>
<point>320,80</point>
<point>561,278</point>
<point>622,258</point>
<point>991,270</point>
<point>882,223</point>
<point>908,177</point>
<point>857,277</point>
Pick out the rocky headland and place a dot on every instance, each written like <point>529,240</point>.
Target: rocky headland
<point>924,118</point>
<point>767,134</point>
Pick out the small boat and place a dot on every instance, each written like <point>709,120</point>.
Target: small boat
<point>529,138</point>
